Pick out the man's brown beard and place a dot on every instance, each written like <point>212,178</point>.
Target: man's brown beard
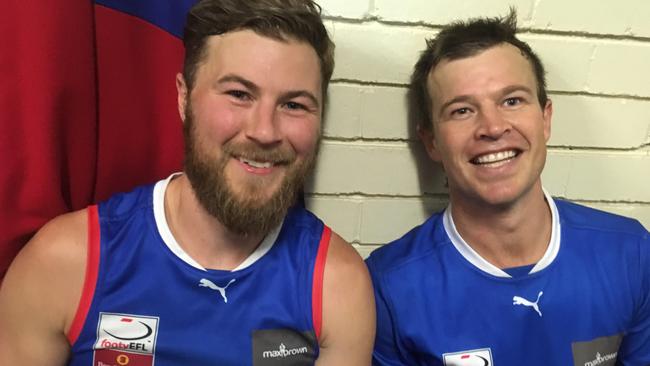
<point>253,213</point>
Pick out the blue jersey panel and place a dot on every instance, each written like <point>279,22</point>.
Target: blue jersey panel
<point>590,306</point>
<point>152,308</point>
<point>165,14</point>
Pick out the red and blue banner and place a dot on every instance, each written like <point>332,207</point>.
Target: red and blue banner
<point>87,105</point>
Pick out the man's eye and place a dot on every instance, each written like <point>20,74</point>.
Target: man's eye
<point>239,94</point>
<point>512,101</point>
<point>295,106</point>
<point>460,111</point>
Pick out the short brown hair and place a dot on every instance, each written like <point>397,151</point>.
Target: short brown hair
<point>465,39</point>
<point>278,19</point>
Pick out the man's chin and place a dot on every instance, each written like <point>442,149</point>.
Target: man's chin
<point>255,219</point>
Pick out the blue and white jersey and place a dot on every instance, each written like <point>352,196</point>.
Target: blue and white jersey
<point>586,302</point>
<point>146,302</point>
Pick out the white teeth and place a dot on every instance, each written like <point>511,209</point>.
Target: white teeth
<point>492,158</point>
<point>255,164</point>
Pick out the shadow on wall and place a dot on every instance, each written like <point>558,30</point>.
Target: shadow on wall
<point>431,176</point>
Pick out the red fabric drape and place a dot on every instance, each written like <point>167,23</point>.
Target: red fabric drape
<point>87,109</point>
<point>48,129</point>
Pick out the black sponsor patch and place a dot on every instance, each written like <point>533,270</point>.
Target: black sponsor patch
<point>283,347</point>
<point>598,352</point>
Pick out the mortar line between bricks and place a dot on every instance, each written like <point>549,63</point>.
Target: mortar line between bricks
<point>367,83</point>
<point>444,197</point>
<point>600,95</point>
<point>607,202</point>
<point>408,142</point>
<point>361,195</point>
<point>580,93</point>
<point>523,30</point>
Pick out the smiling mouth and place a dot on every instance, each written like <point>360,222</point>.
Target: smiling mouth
<point>495,159</point>
<point>256,164</point>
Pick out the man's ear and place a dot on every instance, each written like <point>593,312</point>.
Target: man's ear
<point>182,95</point>
<point>428,139</point>
<point>547,114</point>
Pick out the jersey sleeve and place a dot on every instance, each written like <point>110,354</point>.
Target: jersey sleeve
<point>386,350</point>
<point>635,349</point>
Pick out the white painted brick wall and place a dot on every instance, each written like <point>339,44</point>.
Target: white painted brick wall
<point>629,17</point>
<point>373,182</point>
<point>440,12</point>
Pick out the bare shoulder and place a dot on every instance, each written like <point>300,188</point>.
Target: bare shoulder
<point>348,307</point>
<point>41,290</point>
<point>343,261</point>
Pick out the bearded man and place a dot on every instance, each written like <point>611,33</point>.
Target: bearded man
<point>215,265</point>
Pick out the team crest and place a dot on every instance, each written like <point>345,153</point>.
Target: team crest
<point>125,340</point>
<point>477,357</point>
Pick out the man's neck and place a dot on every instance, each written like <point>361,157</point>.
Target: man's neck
<point>200,234</point>
<point>506,236</point>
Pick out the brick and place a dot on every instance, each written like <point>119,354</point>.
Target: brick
<point>440,12</point>
<point>598,176</point>
<point>375,52</point>
<point>566,59</point>
<point>339,213</point>
<point>556,172</point>
<point>598,122</point>
<point>628,18</point>
<point>357,9</point>
<point>344,111</point>
<point>620,67</point>
<point>387,219</point>
<point>372,112</point>
<point>375,168</point>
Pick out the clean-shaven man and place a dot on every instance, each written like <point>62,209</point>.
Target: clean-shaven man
<point>505,275</point>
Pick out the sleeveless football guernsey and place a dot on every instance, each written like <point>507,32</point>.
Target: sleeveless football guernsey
<point>146,302</point>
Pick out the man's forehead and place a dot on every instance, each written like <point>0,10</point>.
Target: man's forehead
<point>268,63</point>
<point>502,63</point>
<point>242,36</point>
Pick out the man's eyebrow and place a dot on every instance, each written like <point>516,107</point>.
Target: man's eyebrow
<point>466,98</point>
<point>301,93</point>
<point>456,99</point>
<point>232,78</point>
<point>514,88</point>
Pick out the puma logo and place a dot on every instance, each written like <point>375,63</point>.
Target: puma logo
<point>517,300</point>
<point>204,282</point>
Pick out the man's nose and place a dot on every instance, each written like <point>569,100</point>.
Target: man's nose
<point>263,125</point>
<point>492,124</point>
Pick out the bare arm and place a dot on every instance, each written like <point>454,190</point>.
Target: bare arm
<point>40,293</point>
<point>348,330</point>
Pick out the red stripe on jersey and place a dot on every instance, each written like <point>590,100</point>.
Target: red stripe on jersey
<point>317,288</point>
<point>92,267</point>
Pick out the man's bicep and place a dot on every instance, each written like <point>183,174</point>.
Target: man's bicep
<point>37,296</point>
<point>348,308</point>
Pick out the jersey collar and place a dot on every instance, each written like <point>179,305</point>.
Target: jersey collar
<point>172,244</point>
<point>475,259</point>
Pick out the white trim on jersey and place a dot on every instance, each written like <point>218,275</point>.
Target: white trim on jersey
<point>172,244</point>
<point>475,259</point>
